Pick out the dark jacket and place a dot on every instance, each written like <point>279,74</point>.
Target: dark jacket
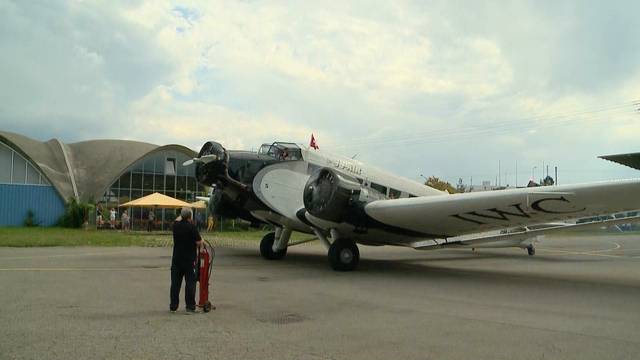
<point>185,237</point>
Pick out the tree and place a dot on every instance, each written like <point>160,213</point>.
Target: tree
<point>436,183</point>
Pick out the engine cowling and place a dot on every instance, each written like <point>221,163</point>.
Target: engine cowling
<point>208,173</point>
<point>329,195</point>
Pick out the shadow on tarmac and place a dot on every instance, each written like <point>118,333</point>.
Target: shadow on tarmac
<point>518,271</point>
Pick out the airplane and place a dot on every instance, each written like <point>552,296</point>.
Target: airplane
<point>344,202</point>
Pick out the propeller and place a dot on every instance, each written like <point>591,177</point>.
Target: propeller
<point>201,160</point>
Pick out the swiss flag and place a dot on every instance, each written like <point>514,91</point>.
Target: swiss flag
<point>312,143</point>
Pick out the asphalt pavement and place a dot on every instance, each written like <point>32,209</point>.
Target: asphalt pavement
<point>577,298</point>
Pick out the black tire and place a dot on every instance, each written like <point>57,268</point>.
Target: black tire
<point>531,250</point>
<point>266,248</point>
<point>344,255</point>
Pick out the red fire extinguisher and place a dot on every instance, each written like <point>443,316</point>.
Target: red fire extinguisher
<point>206,255</point>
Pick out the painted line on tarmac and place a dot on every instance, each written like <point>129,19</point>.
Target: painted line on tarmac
<point>61,255</point>
<point>85,269</point>
<point>567,252</point>
<point>596,252</point>
<point>616,247</point>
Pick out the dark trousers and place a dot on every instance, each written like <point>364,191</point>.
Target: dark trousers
<point>178,271</point>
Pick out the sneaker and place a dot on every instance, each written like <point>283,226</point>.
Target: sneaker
<point>172,309</point>
<point>191,311</point>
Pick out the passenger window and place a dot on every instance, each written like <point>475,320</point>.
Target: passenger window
<point>412,196</point>
<point>381,189</point>
<point>394,194</point>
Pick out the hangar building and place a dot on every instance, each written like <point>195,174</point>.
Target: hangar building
<point>42,176</point>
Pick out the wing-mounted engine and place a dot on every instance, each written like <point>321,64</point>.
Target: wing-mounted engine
<point>333,196</point>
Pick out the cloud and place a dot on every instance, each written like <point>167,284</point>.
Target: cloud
<point>74,64</point>
<point>165,119</point>
<point>445,87</point>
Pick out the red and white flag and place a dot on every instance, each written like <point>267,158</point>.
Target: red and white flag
<point>312,143</point>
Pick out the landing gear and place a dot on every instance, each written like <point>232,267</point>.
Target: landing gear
<point>266,248</point>
<point>531,250</point>
<point>343,255</point>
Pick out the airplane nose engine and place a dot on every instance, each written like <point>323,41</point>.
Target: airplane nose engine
<point>328,195</point>
<point>208,171</point>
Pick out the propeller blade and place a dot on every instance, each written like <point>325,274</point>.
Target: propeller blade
<point>204,160</point>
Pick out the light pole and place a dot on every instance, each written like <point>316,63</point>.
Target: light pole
<point>533,169</point>
<point>425,178</point>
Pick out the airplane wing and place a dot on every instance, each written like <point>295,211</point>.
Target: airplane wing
<point>520,234</point>
<point>445,216</point>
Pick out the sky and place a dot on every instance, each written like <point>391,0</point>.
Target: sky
<point>454,89</point>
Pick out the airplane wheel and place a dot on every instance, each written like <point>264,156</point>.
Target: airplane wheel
<point>531,250</point>
<point>266,248</point>
<point>344,255</point>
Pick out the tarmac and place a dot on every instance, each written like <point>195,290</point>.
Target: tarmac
<point>577,298</point>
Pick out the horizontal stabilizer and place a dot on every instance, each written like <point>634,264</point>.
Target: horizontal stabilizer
<point>523,234</point>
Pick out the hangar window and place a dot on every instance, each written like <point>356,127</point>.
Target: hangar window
<point>15,169</point>
<point>170,166</point>
<point>136,181</point>
<point>125,181</point>
<point>19,170</point>
<point>181,183</point>
<point>147,181</point>
<point>5,164</point>
<point>33,176</point>
<point>159,182</point>
<point>181,170</point>
<point>149,166</point>
<point>170,182</point>
<point>162,172</point>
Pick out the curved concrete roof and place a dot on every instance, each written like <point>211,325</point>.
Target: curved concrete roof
<point>46,156</point>
<point>84,168</point>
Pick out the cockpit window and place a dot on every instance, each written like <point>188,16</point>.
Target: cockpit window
<point>281,151</point>
<point>264,149</point>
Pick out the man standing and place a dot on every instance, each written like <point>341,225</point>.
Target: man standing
<point>125,221</point>
<point>151,220</point>
<point>112,218</point>
<point>186,241</point>
<point>211,223</point>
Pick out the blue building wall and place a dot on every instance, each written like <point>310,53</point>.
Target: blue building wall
<point>17,199</point>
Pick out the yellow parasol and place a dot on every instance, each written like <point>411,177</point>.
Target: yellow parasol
<point>159,200</point>
<point>200,204</point>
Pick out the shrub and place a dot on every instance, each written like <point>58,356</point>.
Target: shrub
<point>30,219</point>
<point>75,214</point>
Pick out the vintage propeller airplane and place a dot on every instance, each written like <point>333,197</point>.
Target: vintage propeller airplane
<point>345,202</point>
